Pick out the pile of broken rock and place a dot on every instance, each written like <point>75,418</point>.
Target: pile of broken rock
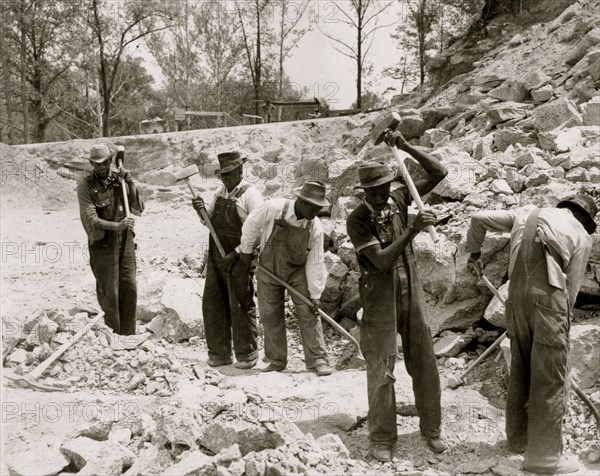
<point>101,359</point>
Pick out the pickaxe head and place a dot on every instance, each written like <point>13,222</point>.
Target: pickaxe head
<point>187,172</point>
<point>27,381</point>
<point>386,122</point>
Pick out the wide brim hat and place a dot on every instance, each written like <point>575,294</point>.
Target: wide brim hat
<point>99,153</point>
<point>586,204</point>
<point>374,174</point>
<point>229,161</point>
<point>313,192</point>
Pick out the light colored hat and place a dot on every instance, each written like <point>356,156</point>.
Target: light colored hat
<point>313,192</point>
<point>374,174</point>
<point>99,153</point>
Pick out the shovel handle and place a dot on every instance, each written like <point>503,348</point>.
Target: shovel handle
<point>413,190</point>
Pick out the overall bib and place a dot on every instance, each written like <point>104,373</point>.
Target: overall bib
<point>392,304</point>
<point>112,260</point>
<point>285,255</point>
<point>538,322</point>
<point>228,311</point>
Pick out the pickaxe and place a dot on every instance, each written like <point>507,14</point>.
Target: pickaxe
<point>454,382</point>
<point>30,380</point>
<point>377,135</point>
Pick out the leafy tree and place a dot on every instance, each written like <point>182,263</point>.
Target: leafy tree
<point>370,100</point>
<point>115,26</point>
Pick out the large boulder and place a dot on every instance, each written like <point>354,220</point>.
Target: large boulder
<point>463,173</point>
<point>494,312</point>
<point>412,124</point>
<point>41,460</point>
<point>592,38</point>
<point>506,111</point>
<point>91,457</point>
<point>560,112</point>
<point>173,305</point>
<point>510,90</point>
<point>591,112</point>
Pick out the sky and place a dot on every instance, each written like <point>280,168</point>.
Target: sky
<point>317,65</point>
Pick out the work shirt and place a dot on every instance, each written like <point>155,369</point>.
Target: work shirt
<point>567,242</point>
<point>103,199</point>
<point>249,200</point>
<point>259,226</point>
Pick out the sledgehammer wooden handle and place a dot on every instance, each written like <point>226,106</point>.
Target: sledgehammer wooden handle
<point>413,190</point>
<point>207,221</point>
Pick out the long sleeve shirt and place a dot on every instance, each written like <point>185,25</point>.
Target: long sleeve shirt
<point>97,202</point>
<point>567,241</point>
<point>250,200</point>
<point>259,226</point>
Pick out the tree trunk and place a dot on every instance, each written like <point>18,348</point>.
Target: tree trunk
<point>257,67</point>
<point>24,99</point>
<point>280,88</point>
<point>359,62</point>
<point>99,108</point>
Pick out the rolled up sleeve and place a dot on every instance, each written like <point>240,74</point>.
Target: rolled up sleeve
<point>252,228</point>
<point>482,222</point>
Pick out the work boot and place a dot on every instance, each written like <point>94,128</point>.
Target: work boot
<point>322,370</point>
<point>245,364</point>
<point>564,467</point>
<point>213,362</point>
<point>272,368</point>
<point>381,453</point>
<point>437,444</point>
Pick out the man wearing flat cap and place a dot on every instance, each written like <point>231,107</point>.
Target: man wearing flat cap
<point>110,237</point>
<point>549,250</point>
<point>291,247</point>
<point>228,304</point>
<point>392,299</point>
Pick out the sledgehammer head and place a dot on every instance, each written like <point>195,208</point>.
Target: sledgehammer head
<point>387,122</point>
<point>187,172</point>
<point>454,382</point>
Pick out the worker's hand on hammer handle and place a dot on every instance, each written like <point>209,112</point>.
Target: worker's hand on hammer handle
<point>475,265</point>
<point>395,138</point>
<point>413,190</point>
<point>198,203</point>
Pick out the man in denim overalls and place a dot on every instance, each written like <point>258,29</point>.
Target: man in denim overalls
<point>110,238</point>
<point>291,247</point>
<point>228,306</point>
<point>392,299</point>
<point>549,250</point>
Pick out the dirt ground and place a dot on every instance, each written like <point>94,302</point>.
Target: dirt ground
<point>44,265</point>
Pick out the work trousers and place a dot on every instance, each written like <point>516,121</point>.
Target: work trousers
<point>112,260</point>
<point>387,313</point>
<point>538,322</point>
<point>271,306</point>
<point>224,316</point>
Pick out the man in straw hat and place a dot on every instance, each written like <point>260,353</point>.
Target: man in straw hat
<point>392,299</point>
<point>228,303</point>
<point>291,246</point>
<point>110,238</point>
<point>549,250</point>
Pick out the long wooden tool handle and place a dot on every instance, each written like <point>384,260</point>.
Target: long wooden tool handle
<point>487,352</point>
<point>307,301</point>
<point>125,199</point>
<point>207,221</point>
<point>40,369</point>
<point>413,190</point>
<point>581,394</point>
<point>491,287</point>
